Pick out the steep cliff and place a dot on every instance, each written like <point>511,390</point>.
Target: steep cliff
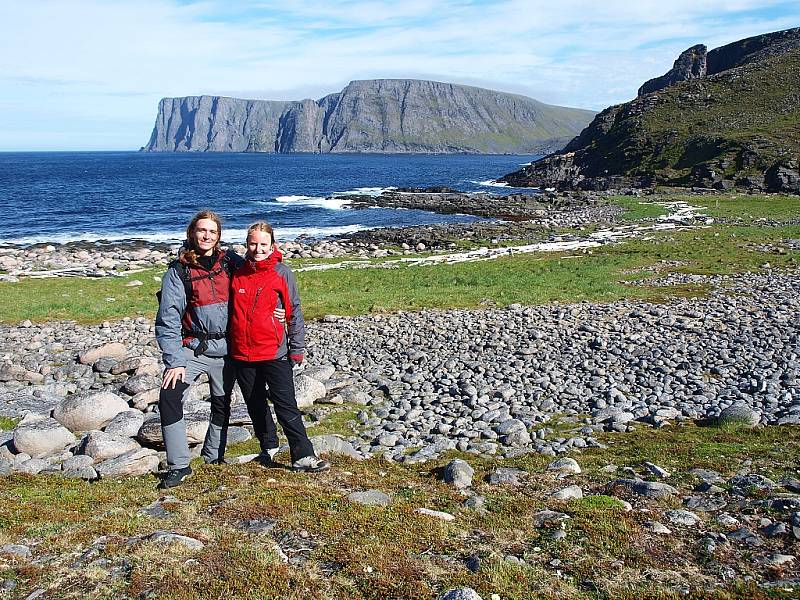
<point>383,115</point>
<point>725,118</point>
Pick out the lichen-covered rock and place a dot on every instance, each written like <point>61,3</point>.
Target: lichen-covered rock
<point>144,399</point>
<point>89,411</point>
<point>115,350</point>
<point>320,373</point>
<point>32,466</point>
<point>458,473</point>
<point>140,383</point>
<point>334,444</point>
<point>649,489</point>
<point>308,390</point>
<point>739,414</point>
<point>370,498</point>
<point>125,424</point>
<point>566,466</point>
<point>102,446</point>
<point>196,428</point>
<point>42,438</point>
<point>135,462</point>
<point>461,594</point>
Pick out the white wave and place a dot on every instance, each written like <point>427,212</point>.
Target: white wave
<point>229,236</point>
<point>319,202</point>
<point>365,191</point>
<point>168,237</point>
<point>291,198</point>
<point>490,183</point>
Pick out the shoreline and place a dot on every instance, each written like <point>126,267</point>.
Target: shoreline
<point>529,219</point>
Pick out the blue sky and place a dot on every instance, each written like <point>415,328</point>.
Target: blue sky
<point>88,74</point>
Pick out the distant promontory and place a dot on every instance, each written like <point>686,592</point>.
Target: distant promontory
<point>380,115</point>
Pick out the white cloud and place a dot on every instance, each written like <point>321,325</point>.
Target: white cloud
<point>96,68</point>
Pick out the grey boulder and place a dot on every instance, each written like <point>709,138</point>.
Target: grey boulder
<point>111,350</point>
<point>334,444</point>
<point>308,390</point>
<point>739,413</point>
<point>136,462</point>
<point>458,473</point>
<point>89,411</point>
<point>125,424</point>
<point>42,438</point>
<point>370,498</point>
<point>102,446</point>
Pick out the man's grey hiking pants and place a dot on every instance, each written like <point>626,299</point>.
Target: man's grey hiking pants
<point>170,404</point>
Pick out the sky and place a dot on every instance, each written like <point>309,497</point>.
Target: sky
<point>88,74</point>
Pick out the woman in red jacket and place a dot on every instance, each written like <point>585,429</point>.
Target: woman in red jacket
<point>264,349</point>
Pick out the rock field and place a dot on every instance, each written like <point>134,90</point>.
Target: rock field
<point>486,382</point>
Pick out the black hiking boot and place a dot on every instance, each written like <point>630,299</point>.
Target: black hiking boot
<point>175,477</point>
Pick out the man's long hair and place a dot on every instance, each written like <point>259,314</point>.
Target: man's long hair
<point>191,252</point>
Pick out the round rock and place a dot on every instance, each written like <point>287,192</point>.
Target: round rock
<point>136,462</point>
<point>125,424</point>
<point>42,438</point>
<point>111,350</point>
<point>90,411</point>
<point>370,498</point>
<point>308,390</point>
<point>739,414</point>
<point>567,466</point>
<point>102,446</point>
<point>458,473</point>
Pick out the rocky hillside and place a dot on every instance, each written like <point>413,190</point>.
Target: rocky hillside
<point>383,115</point>
<point>725,118</point>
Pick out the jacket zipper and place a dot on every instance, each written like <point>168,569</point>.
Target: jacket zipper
<point>250,321</point>
<point>277,337</point>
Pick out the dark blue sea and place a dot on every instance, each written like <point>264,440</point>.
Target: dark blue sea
<point>59,197</point>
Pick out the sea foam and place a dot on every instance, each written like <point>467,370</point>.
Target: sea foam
<point>490,183</point>
<point>317,201</point>
<point>366,191</point>
<point>229,236</point>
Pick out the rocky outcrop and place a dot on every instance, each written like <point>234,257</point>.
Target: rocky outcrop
<point>696,62</point>
<point>383,115</point>
<point>691,64</point>
<point>723,119</point>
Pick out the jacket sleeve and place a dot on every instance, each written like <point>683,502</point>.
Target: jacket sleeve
<point>169,317</point>
<point>296,324</point>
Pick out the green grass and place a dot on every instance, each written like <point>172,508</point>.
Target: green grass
<point>748,208</point>
<point>79,299</point>
<point>638,209</point>
<point>7,423</point>
<point>529,279</point>
<point>773,450</point>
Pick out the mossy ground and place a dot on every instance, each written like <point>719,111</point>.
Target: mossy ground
<point>340,549</point>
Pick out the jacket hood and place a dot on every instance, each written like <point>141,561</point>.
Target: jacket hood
<point>185,249</point>
<point>268,263</point>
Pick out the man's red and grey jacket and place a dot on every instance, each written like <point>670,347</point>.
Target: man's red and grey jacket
<point>254,334</point>
<point>202,318</point>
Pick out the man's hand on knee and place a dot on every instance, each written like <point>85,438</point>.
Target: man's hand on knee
<point>172,377</point>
